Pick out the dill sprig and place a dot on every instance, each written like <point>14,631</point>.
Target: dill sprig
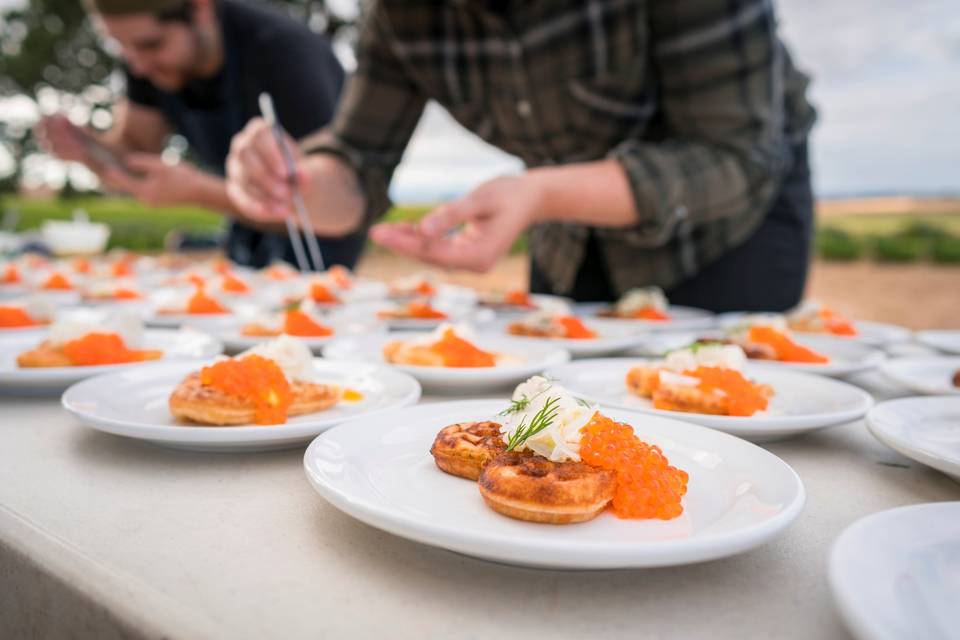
<point>516,406</point>
<point>540,421</point>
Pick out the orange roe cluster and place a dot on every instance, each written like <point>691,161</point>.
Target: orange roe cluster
<point>574,328</point>
<point>201,303</point>
<point>647,485</point>
<point>786,349</point>
<point>15,317</point>
<point>253,378</point>
<point>518,298</point>
<point>82,265</point>
<point>298,323</point>
<point>424,311</point>
<point>837,324</point>
<point>11,274</point>
<point>650,313</point>
<point>321,293</point>
<point>742,397</point>
<point>341,276</point>
<point>104,348</point>
<point>57,281</point>
<point>457,352</point>
<point>122,268</point>
<point>233,284</point>
<point>123,293</point>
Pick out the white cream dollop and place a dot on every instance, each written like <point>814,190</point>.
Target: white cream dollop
<point>462,331</point>
<point>776,321</point>
<point>292,356</point>
<point>725,356</point>
<point>642,298</point>
<point>560,441</point>
<point>76,324</point>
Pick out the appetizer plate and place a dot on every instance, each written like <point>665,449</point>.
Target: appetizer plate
<point>681,318</point>
<point>928,376</point>
<point>896,574</point>
<point>539,300</point>
<point>846,357</point>
<point>878,334</point>
<point>941,340</point>
<point>234,341</point>
<point>527,358</point>
<point>802,402</point>
<point>177,346</point>
<point>923,429</point>
<point>213,323</point>
<point>133,404</point>
<point>612,337</point>
<point>379,470</point>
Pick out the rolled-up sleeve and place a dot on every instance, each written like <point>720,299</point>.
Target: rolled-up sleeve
<point>378,113</point>
<point>721,71</point>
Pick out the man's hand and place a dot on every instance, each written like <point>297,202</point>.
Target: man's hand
<point>258,186</point>
<point>61,138</point>
<point>155,182</point>
<point>473,232</point>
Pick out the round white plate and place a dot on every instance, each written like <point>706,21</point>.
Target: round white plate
<point>612,337</point>
<point>895,575</point>
<point>234,341</point>
<point>532,358</point>
<point>177,346</point>
<point>873,333</point>
<point>380,471</point>
<point>929,375</point>
<point>681,318</point>
<point>941,340</point>
<point>214,323</point>
<point>923,429</point>
<point>802,402</point>
<point>538,299</point>
<point>846,357</point>
<point>133,403</point>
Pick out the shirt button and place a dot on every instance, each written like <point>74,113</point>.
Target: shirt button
<point>524,108</point>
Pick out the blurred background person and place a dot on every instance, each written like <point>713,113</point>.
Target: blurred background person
<point>196,68</point>
<point>665,145</point>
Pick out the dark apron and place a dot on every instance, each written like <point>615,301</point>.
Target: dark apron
<point>209,132</point>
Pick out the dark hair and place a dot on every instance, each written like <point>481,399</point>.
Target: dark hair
<point>180,13</point>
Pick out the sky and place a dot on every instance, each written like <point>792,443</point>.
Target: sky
<point>886,82</point>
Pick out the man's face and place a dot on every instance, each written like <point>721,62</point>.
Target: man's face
<point>165,53</point>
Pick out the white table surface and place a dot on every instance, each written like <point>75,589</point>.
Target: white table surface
<point>106,537</point>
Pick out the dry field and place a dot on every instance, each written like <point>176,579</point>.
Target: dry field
<point>919,296</point>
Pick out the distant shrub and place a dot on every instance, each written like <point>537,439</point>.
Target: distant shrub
<point>946,250</point>
<point>838,245</point>
<point>923,231</point>
<point>899,248</point>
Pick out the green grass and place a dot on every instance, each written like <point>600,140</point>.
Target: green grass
<point>882,224</point>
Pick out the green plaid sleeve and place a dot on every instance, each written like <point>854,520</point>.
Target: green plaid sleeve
<point>378,113</point>
<point>721,72</point>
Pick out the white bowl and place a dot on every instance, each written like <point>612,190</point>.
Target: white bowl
<point>66,238</point>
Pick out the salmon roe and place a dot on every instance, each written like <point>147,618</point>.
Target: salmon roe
<point>13,317</point>
<point>82,265</point>
<point>104,348</point>
<point>742,397</point>
<point>425,289</point>
<point>253,378</point>
<point>341,276</point>
<point>298,323</point>
<point>11,275</point>
<point>321,293</point>
<point>518,298</point>
<point>57,281</point>
<point>423,310</point>
<point>837,324</point>
<point>121,269</point>
<point>123,293</point>
<point>457,352</point>
<point>201,303</point>
<point>651,313</point>
<point>574,328</point>
<point>786,349</point>
<point>647,485</point>
<point>233,284</point>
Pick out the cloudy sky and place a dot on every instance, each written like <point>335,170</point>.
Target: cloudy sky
<point>886,82</point>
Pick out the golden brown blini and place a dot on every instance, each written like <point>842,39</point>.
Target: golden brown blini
<point>464,448</point>
<point>535,489</point>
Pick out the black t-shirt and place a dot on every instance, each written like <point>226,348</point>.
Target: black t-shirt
<point>265,50</point>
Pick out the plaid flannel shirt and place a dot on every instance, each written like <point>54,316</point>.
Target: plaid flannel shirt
<point>698,100</point>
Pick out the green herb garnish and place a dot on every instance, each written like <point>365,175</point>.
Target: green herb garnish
<point>540,421</point>
<point>516,406</point>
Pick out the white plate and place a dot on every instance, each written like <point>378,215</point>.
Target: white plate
<point>873,333</point>
<point>681,318</point>
<point>802,402</point>
<point>213,323</point>
<point>133,404</point>
<point>534,358</point>
<point>929,376</point>
<point>895,575</point>
<point>923,429</point>
<point>380,471</point>
<point>846,357</point>
<point>612,337</point>
<point>941,340</point>
<point>234,341</point>
<point>538,299</point>
<point>177,346</point>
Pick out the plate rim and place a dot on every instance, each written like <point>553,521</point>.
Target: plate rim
<point>902,446</point>
<point>890,364</point>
